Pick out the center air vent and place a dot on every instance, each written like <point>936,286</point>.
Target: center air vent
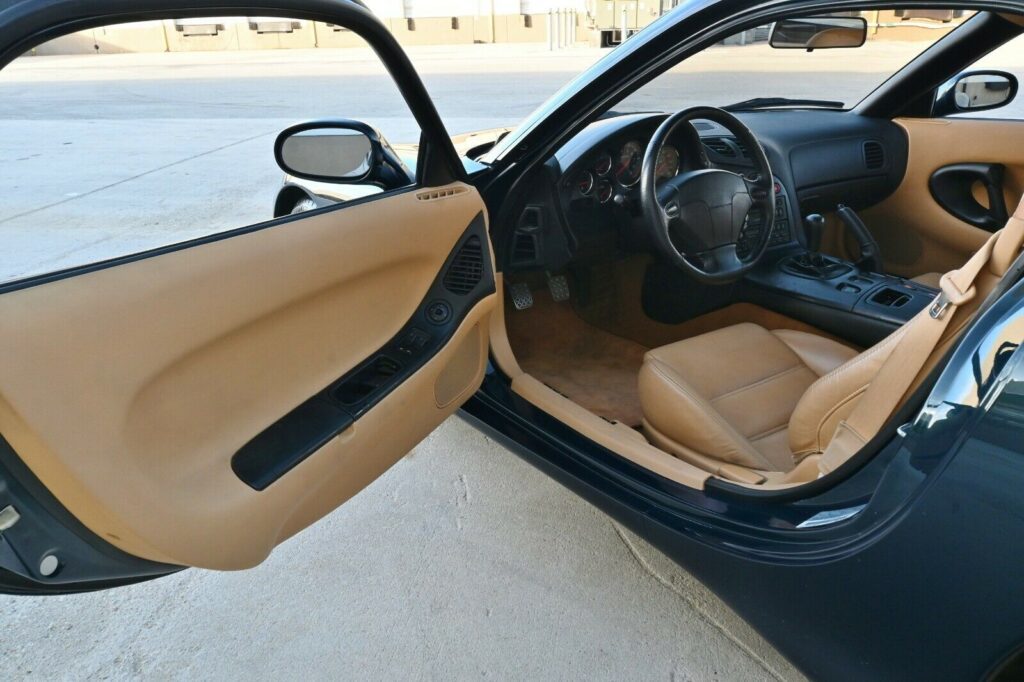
<point>466,269</point>
<point>720,146</point>
<point>874,155</point>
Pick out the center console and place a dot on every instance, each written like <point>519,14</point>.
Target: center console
<point>847,299</point>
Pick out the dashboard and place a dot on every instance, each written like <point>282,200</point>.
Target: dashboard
<point>585,203</point>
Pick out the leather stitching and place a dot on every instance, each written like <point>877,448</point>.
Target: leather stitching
<point>770,432</point>
<point>669,376</point>
<point>759,382</point>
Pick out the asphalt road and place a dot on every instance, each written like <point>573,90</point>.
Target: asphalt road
<point>462,561</point>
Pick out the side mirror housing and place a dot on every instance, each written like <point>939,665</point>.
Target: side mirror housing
<point>818,33</point>
<point>339,151</point>
<point>974,91</point>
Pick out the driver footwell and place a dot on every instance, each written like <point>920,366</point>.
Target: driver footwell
<point>591,367</point>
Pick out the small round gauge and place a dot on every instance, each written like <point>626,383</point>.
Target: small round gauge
<point>668,163</point>
<point>585,183</point>
<point>603,165</point>
<point>631,156</point>
<point>604,191</point>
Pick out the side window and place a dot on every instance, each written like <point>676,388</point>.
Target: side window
<point>974,93</point>
<point>136,136</point>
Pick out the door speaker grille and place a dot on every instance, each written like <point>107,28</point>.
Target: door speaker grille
<point>466,269</point>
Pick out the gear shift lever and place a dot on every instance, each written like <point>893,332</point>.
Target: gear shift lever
<point>812,263</point>
<point>814,224</point>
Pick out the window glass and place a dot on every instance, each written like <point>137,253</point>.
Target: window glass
<point>1010,58</point>
<point>745,66</point>
<point>131,137</point>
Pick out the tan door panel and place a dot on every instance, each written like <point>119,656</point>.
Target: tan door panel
<point>128,389</point>
<point>915,234</point>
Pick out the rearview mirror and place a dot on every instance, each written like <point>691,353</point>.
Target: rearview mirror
<point>974,91</point>
<point>330,151</point>
<point>818,33</point>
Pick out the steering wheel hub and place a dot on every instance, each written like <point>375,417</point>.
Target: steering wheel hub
<point>696,218</point>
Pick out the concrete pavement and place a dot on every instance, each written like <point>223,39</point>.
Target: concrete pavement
<point>461,562</point>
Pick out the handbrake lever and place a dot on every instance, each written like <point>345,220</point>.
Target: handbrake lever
<point>870,254</point>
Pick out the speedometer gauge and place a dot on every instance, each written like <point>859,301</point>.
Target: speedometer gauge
<point>631,156</point>
<point>668,163</point>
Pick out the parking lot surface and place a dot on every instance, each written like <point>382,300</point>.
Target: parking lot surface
<point>460,562</point>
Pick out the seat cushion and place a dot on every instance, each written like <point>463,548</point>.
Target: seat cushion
<point>729,394</point>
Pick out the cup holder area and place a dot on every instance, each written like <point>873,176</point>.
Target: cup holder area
<point>890,298</point>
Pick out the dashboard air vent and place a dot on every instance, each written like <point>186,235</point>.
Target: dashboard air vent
<point>874,155</point>
<point>719,146</point>
<point>744,152</point>
<point>466,269</point>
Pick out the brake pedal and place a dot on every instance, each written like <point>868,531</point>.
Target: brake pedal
<point>559,287</point>
<point>521,296</point>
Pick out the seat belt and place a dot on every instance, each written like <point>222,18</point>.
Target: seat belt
<point>919,339</point>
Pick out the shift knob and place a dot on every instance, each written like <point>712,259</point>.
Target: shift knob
<point>814,224</point>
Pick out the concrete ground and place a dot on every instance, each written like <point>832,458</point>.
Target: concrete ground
<point>462,561</point>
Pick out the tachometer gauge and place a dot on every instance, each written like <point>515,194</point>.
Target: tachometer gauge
<point>604,191</point>
<point>631,156</point>
<point>603,165</point>
<point>668,163</point>
<point>585,183</point>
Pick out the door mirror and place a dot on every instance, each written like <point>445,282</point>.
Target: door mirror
<point>974,91</point>
<point>818,33</point>
<point>328,151</point>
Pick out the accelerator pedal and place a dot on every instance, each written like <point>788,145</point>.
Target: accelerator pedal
<point>559,287</point>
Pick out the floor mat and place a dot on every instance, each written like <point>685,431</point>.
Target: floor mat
<point>591,367</point>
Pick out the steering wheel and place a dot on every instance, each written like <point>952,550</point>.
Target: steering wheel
<point>696,217</point>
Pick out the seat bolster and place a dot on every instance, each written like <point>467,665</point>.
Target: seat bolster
<point>674,408</point>
<point>832,398</point>
<point>820,354</point>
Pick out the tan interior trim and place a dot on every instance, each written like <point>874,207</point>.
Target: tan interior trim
<point>127,390</point>
<point>607,434</point>
<point>914,233</point>
<point>618,438</point>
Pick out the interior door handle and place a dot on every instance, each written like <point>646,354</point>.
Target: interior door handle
<point>953,188</point>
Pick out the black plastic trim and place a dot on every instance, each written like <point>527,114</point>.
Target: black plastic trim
<point>291,439</point>
<point>952,187</point>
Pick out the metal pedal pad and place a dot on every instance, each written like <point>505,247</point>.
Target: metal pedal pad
<point>521,296</point>
<point>559,287</point>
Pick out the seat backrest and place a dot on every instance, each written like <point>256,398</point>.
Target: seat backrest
<point>832,398</point>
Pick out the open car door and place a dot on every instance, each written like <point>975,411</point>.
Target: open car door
<point>196,405</point>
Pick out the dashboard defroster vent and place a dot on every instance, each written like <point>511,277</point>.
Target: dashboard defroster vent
<point>467,268</point>
<point>874,155</point>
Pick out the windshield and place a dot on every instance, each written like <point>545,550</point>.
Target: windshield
<point>745,67</point>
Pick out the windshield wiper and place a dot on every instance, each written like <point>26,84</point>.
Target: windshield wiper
<point>772,102</point>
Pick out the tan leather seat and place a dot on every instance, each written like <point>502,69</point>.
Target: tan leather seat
<point>744,398</point>
<point>729,394</point>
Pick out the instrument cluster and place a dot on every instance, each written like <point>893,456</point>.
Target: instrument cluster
<point>620,169</point>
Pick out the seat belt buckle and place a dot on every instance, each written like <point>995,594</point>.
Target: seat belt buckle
<point>939,306</point>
